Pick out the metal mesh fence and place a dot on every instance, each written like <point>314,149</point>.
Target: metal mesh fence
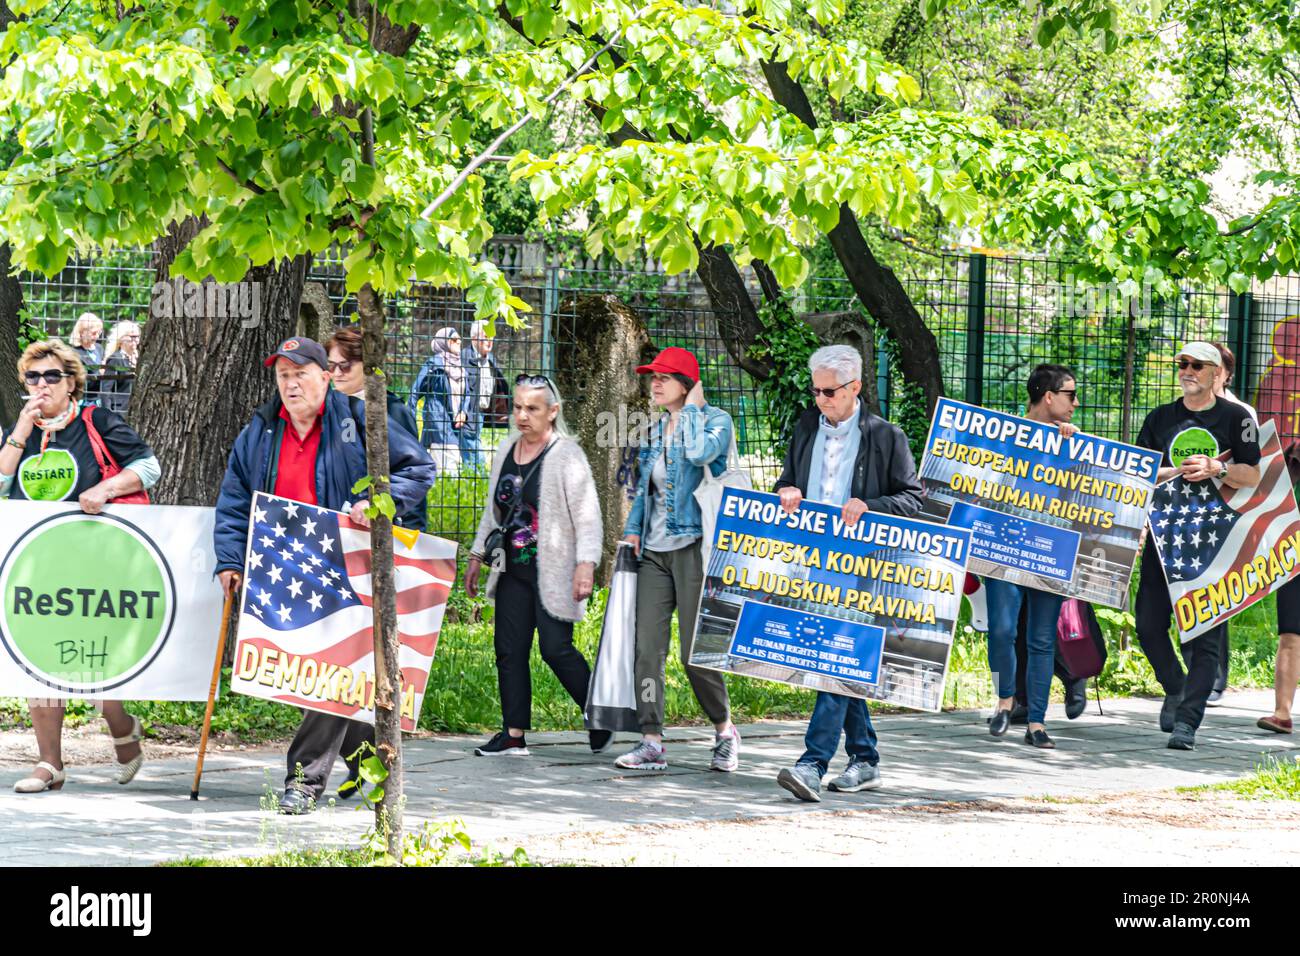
<point>994,318</point>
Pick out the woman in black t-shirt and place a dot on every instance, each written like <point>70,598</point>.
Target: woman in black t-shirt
<point>540,533</point>
<point>47,456</point>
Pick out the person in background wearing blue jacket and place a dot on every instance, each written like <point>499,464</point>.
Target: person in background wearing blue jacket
<point>308,444</point>
<point>665,529</point>
<point>442,382</point>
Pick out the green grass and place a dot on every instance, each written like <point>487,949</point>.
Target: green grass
<point>1273,779</point>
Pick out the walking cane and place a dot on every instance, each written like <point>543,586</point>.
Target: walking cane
<point>212,692</point>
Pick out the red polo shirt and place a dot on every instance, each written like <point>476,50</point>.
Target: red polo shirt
<point>295,476</point>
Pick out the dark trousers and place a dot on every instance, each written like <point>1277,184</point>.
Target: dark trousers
<point>321,738</point>
<point>1022,660</point>
<point>1154,613</point>
<point>832,714</point>
<point>519,613</point>
<point>1221,675</point>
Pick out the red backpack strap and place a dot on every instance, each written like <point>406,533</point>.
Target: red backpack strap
<point>108,466</point>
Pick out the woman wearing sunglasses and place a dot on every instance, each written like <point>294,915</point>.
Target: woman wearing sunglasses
<point>48,456</point>
<point>541,537</point>
<point>665,528</point>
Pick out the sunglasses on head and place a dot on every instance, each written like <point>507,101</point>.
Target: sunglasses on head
<point>343,367</point>
<point>1196,366</point>
<point>829,392</point>
<point>51,376</point>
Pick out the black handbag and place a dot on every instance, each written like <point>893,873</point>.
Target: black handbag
<point>494,545</point>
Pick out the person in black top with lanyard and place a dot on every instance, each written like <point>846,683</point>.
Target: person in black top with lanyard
<point>540,533</point>
<point>1191,434</point>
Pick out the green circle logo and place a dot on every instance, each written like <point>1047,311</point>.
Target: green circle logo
<point>88,602</point>
<point>1192,441</point>
<point>48,477</point>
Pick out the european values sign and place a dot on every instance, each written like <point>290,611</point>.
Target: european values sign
<point>305,628</point>
<point>116,606</point>
<point>804,599</point>
<point>1058,514</point>
<point>1225,548</point>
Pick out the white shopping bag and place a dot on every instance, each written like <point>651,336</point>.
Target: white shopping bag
<point>611,696</point>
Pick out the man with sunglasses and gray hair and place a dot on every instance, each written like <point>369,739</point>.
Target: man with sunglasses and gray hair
<point>843,455</point>
<point>1190,433</point>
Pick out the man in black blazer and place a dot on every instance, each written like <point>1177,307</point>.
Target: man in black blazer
<point>843,455</point>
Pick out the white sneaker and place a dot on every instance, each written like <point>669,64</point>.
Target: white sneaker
<point>644,756</point>
<point>726,751</point>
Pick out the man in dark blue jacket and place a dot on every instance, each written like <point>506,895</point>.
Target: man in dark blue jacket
<point>308,444</point>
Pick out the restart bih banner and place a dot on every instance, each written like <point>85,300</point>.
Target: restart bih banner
<point>116,606</point>
<point>1063,515</point>
<point>803,599</point>
<point>305,635</point>
<point>1225,548</point>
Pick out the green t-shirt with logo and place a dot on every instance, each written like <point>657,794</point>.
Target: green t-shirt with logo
<point>68,466</point>
<point>1176,432</point>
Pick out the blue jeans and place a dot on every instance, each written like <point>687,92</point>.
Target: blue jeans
<point>835,713</point>
<point>1040,640</point>
<point>471,450</point>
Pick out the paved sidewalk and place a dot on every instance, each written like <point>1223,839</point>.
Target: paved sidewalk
<point>564,789</point>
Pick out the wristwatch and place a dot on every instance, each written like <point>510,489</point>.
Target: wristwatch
<point>1223,471</point>
<point>15,442</point>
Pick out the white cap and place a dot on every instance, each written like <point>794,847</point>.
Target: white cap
<point>1201,352</point>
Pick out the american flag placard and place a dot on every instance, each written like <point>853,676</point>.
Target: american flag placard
<point>1225,548</point>
<point>305,625</point>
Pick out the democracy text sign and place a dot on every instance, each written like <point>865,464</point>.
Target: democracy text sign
<point>1058,514</point>
<point>1225,548</point>
<point>305,628</point>
<point>803,599</point>
<point>116,606</point>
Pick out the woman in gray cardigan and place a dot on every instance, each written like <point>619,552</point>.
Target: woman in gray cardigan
<point>541,535</point>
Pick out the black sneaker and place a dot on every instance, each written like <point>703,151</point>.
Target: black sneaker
<point>503,743</point>
<point>599,740</point>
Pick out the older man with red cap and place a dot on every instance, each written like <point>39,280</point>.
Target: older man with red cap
<point>665,528</point>
<point>1191,434</point>
<point>308,444</point>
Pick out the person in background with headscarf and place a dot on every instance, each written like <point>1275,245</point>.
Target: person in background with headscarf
<point>441,384</point>
<point>120,358</point>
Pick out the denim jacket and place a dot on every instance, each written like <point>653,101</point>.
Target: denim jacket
<point>702,438</point>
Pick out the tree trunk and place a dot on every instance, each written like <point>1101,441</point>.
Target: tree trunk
<point>11,303</point>
<point>388,673</point>
<point>876,286</point>
<point>201,374</point>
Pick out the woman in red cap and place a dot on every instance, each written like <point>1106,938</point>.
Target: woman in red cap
<point>665,529</point>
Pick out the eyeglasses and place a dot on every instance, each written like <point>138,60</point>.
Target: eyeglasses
<point>829,392</point>
<point>1072,392</point>
<point>341,367</point>
<point>51,376</point>
<point>1196,366</point>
